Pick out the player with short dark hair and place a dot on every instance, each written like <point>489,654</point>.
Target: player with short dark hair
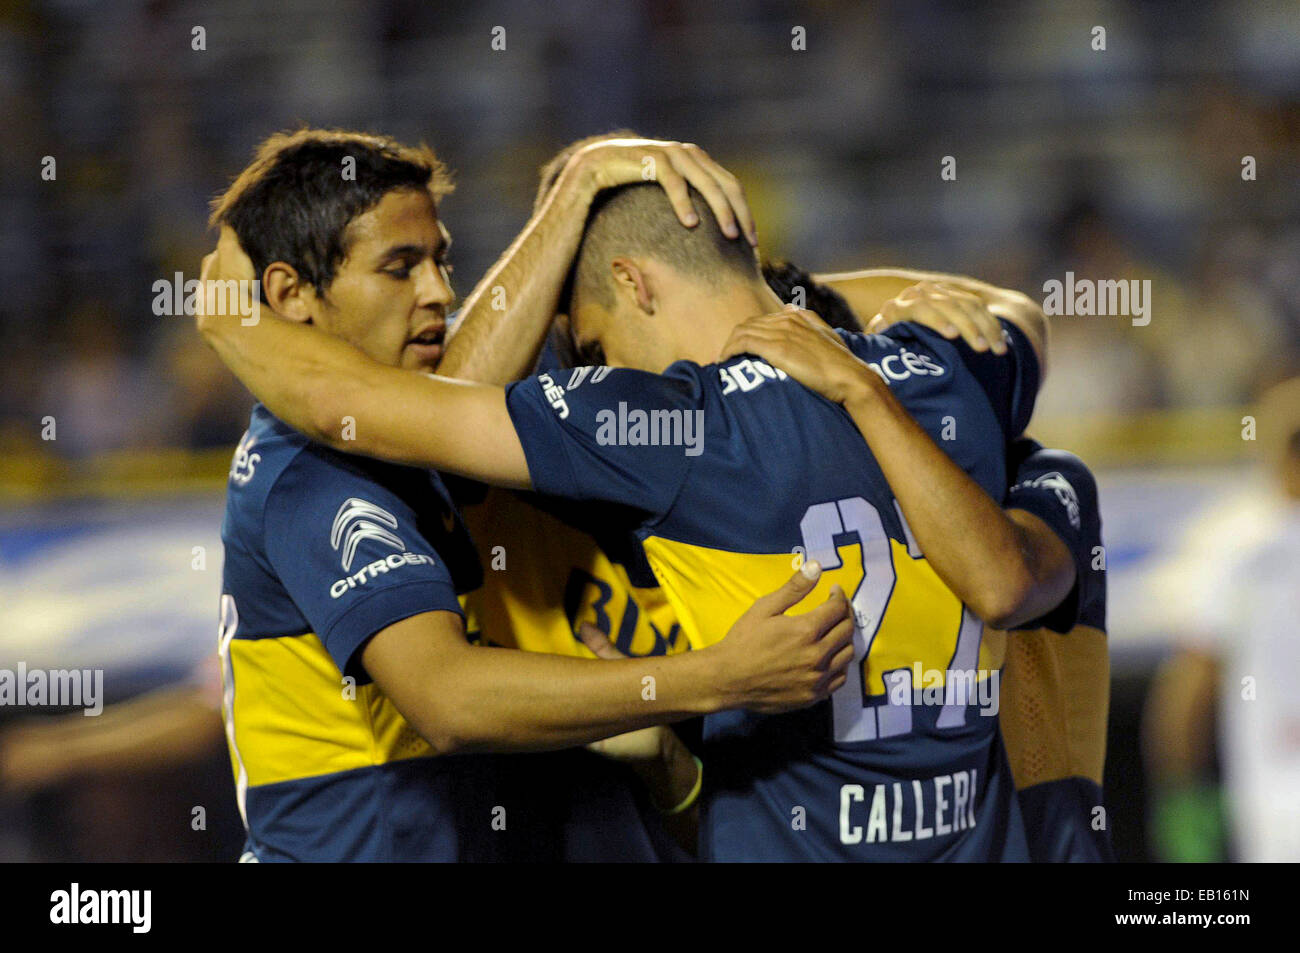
<point>563,588</point>
<point>296,200</point>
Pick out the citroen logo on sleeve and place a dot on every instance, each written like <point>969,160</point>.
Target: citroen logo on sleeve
<point>358,520</point>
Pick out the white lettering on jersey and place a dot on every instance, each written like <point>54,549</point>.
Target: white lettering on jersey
<point>901,366</point>
<point>244,463</point>
<point>748,374</point>
<point>376,568</point>
<point>941,805</point>
<point>554,393</point>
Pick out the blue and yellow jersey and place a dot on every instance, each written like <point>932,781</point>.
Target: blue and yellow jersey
<point>1056,685</point>
<point>542,579</point>
<point>730,474</point>
<point>323,550</point>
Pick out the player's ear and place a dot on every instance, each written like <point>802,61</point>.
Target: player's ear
<point>633,284</point>
<point>287,294</point>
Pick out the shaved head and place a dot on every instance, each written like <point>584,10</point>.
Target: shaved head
<point>638,221</point>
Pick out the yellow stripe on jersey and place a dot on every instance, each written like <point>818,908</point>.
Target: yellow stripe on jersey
<point>1054,704</point>
<point>530,560</point>
<point>292,718</point>
<point>711,588</point>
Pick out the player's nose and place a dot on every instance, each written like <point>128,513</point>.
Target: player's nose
<point>432,286</point>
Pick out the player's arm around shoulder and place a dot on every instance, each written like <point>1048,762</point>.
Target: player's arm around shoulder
<point>878,296</point>
<point>1004,568</point>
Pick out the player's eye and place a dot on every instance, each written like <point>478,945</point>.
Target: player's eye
<point>401,272</point>
<point>446,266</point>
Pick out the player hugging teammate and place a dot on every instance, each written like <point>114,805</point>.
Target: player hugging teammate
<point>850,710</point>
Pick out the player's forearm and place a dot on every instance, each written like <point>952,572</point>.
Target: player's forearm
<point>867,291</point>
<point>973,546</point>
<point>505,319</point>
<point>336,395</point>
<point>420,420</point>
<point>503,700</point>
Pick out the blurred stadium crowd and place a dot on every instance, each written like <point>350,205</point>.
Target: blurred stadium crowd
<point>1119,164</point>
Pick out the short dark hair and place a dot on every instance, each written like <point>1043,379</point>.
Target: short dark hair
<point>638,219</point>
<point>783,278</point>
<point>293,202</point>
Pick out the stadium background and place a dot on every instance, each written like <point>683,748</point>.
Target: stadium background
<point>1117,164</point>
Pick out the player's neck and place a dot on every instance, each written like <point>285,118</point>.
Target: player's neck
<point>726,308</point>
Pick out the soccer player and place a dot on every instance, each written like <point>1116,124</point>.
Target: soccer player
<point>1031,564</point>
<point>547,585</point>
<point>355,703</point>
<point>549,581</point>
<point>728,472</point>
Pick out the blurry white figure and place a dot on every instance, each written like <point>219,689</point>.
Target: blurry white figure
<point>1235,591</point>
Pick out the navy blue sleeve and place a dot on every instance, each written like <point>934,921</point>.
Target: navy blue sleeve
<point>1059,489</point>
<point>610,434</point>
<point>347,550</point>
<point>1010,381</point>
